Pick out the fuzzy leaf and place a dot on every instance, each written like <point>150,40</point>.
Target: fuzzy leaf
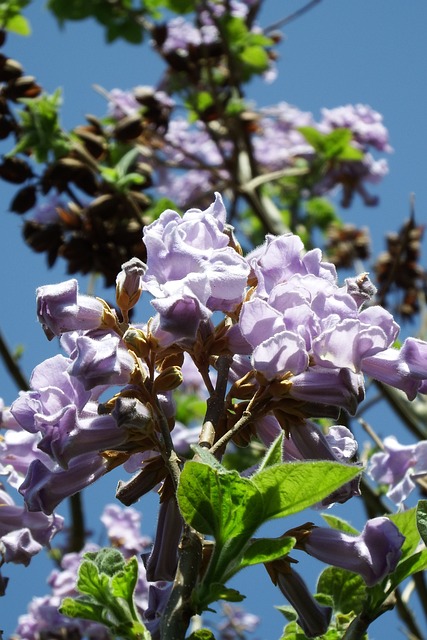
<point>291,487</point>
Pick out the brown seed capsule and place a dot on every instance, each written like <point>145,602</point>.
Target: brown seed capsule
<point>24,200</point>
<point>15,170</point>
<point>128,128</point>
<point>9,69</point>
<point>22,87</point>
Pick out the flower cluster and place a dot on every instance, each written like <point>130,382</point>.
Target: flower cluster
<point>123,531</point>
<point>289,345</point>
<point>193,161</point>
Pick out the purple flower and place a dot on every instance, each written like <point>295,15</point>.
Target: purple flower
<point>299,322</point>
<point>124,529</point>
<point>373,554</point>
<point>122,103</point>
<point>398,465</point>
<point>47,211</point>
<point>365,123</point>
<point>162,562</point>
<point>313,618</point>
<point>99,358</point>
<point>63,416</point>
<point>237,623</point>
<point>44,489</point>
<point>61,308</point>
<point>24,534</point>
<point>191,270</point>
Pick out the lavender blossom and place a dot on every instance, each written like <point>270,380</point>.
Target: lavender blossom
<point>61,308</point>
<point>99,358</point>
<point>313,618</point>
<point>44,489</point>
<point>398,466</point>
<point>298,316</point>
<point>365,123</point>
<point>43,619</point>
<point>24,534</point>
<point>63,415</point>
<point>191,270</point>
<point>373,554</point>
<point>162,562</point>
<point>123,528</point>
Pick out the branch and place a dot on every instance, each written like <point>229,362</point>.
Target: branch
<point>293,16</point>
<point>13,368</point>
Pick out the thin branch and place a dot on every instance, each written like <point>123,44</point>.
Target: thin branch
<point>12,366</point>
<point>293,16</point>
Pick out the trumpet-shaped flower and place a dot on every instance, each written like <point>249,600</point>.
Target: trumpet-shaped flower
<point>373,554</point>
<point>398,466</point>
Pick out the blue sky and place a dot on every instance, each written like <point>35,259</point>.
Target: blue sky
<point>343,51</point>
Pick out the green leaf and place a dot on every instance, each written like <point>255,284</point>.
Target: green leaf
<point>406,522</point>
<point>79,608</point>
<point>107,560</point>
<point>287,611</point>
<point>422,519</point>
<point>220,504</point>
<point>202,634</point>
<point>347,589</point>
<point>321,212</point>
<point>274,454</point>
<point>180,6</point>
<point>313,137</point>
<point>413,564</point>
<point>255,57</point>
<point>339,524</point>
<point>291,487</point>
<point>207,458</point>
<point>91,582</point>
<point>336,141</point>
<point>124,582</point>
<point>221,592</point>
<point>349,154</point>
<point>18,24</point>
<point>266,550</point>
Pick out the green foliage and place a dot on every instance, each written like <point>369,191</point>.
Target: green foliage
<point>347,589</point>
<point>121,19</point>
<point>222,504</point>
<point>335,145</point>
<point>107,584</point>
<point>189,406</point>
<point>202,634</point>
<point>274,455</point>
<point>42,135</point>
<point>121,175</point>
<point>290,488</point>
<point>248,48</point>
<point>266,549</point>
<point>422,519</point>
<point>321,213</point>
<point>11,18</point>
<point>338,523</point>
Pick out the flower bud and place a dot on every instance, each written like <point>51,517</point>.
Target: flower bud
<point>137,341</point>
<point>129,284</point>
<point>168,379</point>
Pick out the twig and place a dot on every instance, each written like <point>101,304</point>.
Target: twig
<point>293,16</point>
<point>13,368</point>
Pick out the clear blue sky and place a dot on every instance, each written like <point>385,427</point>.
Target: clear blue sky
<point>343,51</point>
